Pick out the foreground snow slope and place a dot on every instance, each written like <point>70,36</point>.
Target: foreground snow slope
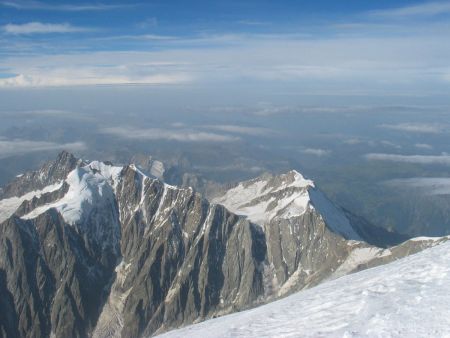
<point>409,297</point>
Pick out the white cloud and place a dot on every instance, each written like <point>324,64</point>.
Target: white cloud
<point>415,127</point>
<point>41,28</point>
<point>15,147</point>
<point>316,151</point>
<point>72,77</point>
<point>424,9</point>
<point>37,5</point>
<point>240,129</point>
<point>427,185</point>
<point>182,135</point>
<point>140,37</point>
<point>419,159</point>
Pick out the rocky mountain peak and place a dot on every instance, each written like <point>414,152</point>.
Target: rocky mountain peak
<point>50,173</point>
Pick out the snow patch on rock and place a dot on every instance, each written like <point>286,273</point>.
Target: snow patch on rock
<point>9,205</point>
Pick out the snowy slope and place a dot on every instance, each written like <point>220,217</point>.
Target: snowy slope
<point>406,298</point>
<point>259,199</point>
<point>285,196</point>
<point>91,187</point>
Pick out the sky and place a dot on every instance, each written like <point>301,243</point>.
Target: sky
<point>313,47</point>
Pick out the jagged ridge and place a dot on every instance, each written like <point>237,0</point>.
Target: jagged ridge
<point>94,249</point>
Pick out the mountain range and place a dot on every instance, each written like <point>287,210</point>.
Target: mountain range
<point>90,249</point>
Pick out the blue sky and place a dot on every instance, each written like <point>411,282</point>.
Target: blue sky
<point>348,46</point>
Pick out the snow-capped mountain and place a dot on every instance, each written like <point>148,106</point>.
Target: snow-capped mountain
<point>407,298</point>
<point>93,249</point>
<point>287,196</point>
<point>309,239</point>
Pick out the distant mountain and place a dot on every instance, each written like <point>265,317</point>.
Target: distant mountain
<point>93,249</point>
<point>289,196</point>
<point>308,237</point>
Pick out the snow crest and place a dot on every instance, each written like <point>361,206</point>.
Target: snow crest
<point>264,198</point>
<point>285,196</point>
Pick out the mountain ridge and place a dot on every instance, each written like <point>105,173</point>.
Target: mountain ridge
<point>157,256</point>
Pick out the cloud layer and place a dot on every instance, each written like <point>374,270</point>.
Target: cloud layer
<point>387,56</point>
<point>254,131</point>
<point>427,185</point>
<point>16,147</point>
<point>419,159</point>
<point>415,127</point>
<point>316,152</point>
<point>181,135</point>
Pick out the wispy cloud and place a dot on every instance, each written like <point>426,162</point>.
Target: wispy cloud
<point>316,152</point>
<point>418,159</point>
<point>83,77</point>
<point>424,9</point>
<point>41,114</point>
<point>139,37</point>
<point>16,147</point>
<point>387,64</point>
<point>37,5</point>
<point>427,185</point>
<point>181,135</point>
<point>423,146</point>
<point>255,131</point>
<point>415,127</point>
<point>41,28</point>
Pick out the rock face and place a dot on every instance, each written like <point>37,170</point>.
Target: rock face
<point>49,174</point>
<point>112,252</point>
<point>93,250</point>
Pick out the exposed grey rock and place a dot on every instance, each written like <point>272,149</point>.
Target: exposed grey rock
<point>51,173</point>
<point>55,281</point>
<point>186,259</point>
